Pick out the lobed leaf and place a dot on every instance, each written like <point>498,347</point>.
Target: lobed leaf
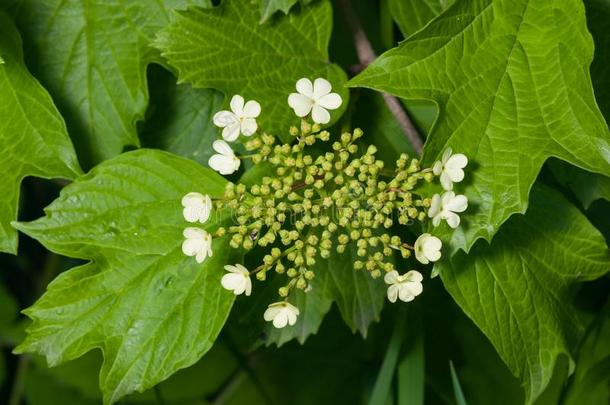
<point>517,290</point>
<point>225,48</point>
<point>512,85</point>
<point>92,56</point>
<point>33,135</point>
<point>148,307</point>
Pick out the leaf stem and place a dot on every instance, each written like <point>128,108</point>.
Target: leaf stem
<point>366,55</point>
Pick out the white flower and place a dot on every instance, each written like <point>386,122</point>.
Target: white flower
<point>197,207</point>
<point>315,98</point>
<point>450,168</point>
<point>237,280</point>
<point>445,207</point>
<point>241,118</point>
<point>428,248</point>
<point>225,162</point>
<point>282,314</point>
<point>406,287</point>
<point>198,243</point>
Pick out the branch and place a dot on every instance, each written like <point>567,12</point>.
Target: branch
<point>366,55</point>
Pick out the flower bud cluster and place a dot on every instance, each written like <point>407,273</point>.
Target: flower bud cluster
<point>323,197</point>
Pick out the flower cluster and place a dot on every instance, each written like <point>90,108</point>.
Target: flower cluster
<point>316,204</point>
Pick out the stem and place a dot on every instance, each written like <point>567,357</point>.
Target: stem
<point>366,55</point>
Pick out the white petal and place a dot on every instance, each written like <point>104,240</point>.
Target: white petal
<point>252,109</point>
<point>223,148</point>
<point>232,282</point>
<point>391,277</point>
<point>237,105</point>
<point>320,115</point>
<point>435,206</point>
<point>437,168</point>
<point>414,275</point>
<point>248,289</point>
<point>452,219</point>
<point>281,319</point>
<point>191,233</point>
<point>432,248</point>
<point>238,269</point>
<point>201,256</point>
<point>446,155</point>
<point>305,87</point>
<point>446,198</point>
<point>330,101</point>
<point>392,293</point>
<point>191,214</point>
<point>271,312</point>
<point>421,257</point>
<point>436,220</point>
<point>292,317</point>
<point>405,294</point>
<point>222,164</point>
<point>321,87</point>
<point>300,104</point>
<point>208,246</point>
<point>446,182</point>
<point>457,161</point>
<point>414,288</point>
<point>231,132</point>
<point>248,126</point>
<point>191,247</point>
<point>458,204</point>
<point>454,174</point>
<point>223,118</point>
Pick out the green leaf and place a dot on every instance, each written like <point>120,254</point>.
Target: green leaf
<point>181,118</point>
<point>33,136</point>
<point>360,298</point>
<point>383,384</point>
<point>225,48</point>
<point>591,381</point>
<point>92,56</point>
<point>517,290</point>
<point>270,7</point>
<point>411,369</point>
<point>413,15</point>
<point>511,81</point>
<point>588,187</point>
<point>151,309</point>
<point>457,387</point>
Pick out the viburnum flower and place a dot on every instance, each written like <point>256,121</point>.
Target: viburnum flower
<point>405,287</point>
<point>241,118</point>
<point>198,243</point>
<point>224,162</point>
<point>281,314</point>
<point>445,207</point>
<point>237,280</point>
<point>450,168</point>
<point>316,98</point>
<point>197,207</point>
<point>427,248</point>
